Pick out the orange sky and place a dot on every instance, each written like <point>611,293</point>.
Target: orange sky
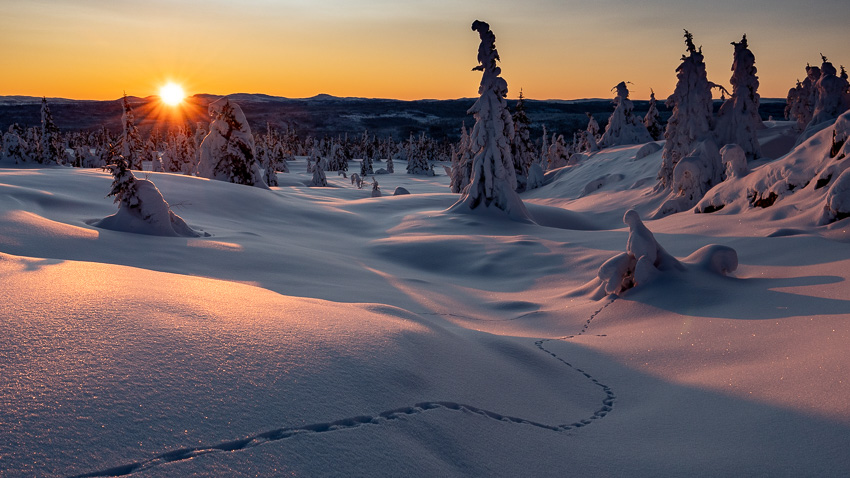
<point>96,49</point>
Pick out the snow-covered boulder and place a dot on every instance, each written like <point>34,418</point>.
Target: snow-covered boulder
<point>400,191</point>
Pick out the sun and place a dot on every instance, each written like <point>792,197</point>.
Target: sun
<point>171,94</point>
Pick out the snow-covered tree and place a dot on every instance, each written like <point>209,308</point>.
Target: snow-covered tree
<point>543,158</point>
<point>376,191</point>
<point>227,152</point>
<point>14,145</point>
<point>141,207</point>
<point>796,107</point>
<point>522,147</point>
<point>132,146</point>
<point>493,182</point>
<point>319,179</point>
<point>832,98</point>
<point>51,149</point>
<point>461,163</point>
<point>652,120</point>
<point>417,157</point>
<point>623,126</point>
<point>558,155</point>
<point>692,120</point>
<point>738,119</point>
<point>390,165</point>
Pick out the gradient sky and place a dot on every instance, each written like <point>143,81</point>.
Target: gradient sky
<point>96,49</point>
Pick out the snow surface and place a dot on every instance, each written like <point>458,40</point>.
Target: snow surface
<point>320,331</point>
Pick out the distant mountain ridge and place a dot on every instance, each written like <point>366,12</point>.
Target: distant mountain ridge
<point>323,114</point>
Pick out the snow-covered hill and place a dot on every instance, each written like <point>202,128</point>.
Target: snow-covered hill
<point>320,331</point>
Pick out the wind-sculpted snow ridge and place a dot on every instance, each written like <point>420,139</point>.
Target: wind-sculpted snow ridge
<point>279,434</point>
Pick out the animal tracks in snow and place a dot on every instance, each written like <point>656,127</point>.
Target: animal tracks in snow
<point>368,420</point>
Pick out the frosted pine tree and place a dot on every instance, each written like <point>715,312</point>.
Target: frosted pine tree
<point>543,157</point>
<point>832,97</point>
<point>132,146</point>
<point>227,152</point>
<point>692,119</point>
<point>319,179</point>
<point>796,106</point>
<point>461,163</point>
<point>652,120</point>
<point>14,145</point>
<point>623,126</point>
<point>51,149</point>
<point>558,154</point>
<point>493,183</point>
<point>738,119</point>
<point>522,147</point>
<point>417,158</point>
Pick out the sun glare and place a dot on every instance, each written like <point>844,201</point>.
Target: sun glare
<point>171,94</point>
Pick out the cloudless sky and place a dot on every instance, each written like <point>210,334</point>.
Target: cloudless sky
<point>567,49</point>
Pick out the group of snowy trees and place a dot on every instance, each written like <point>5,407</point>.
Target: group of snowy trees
<point>820,98</point>
<point>691,161</point>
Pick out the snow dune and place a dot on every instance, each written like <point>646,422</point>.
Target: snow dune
<point>320,331</point>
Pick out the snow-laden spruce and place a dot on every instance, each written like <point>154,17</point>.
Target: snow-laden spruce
<point>132,147</point>
<point>692,118</point>
<point>522,147</point>
<point>141,207</point>
<point>227,152</point>
<point>52,151</point>
<point>738,119</point>
<point>493,181</point>
<point>831,99</point>
<point>652,120</point>
<point>623,126</point>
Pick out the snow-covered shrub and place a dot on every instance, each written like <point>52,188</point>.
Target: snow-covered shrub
<point>623,126</point>
<point>738,119</point>
<point>227,152</point>
<point>400,191</point>
<point>376,191</point>
<point>692,119</point>
<point>493,181</point>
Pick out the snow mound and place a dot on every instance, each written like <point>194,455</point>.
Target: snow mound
<point>645,259</point>
<point>153,216</point>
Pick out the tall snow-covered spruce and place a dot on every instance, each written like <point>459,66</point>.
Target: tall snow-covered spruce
<point>652,120</point>
<point>493,181</point>
<point>52,151</point>
<point>692,118</point>
<point>738,119</point>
